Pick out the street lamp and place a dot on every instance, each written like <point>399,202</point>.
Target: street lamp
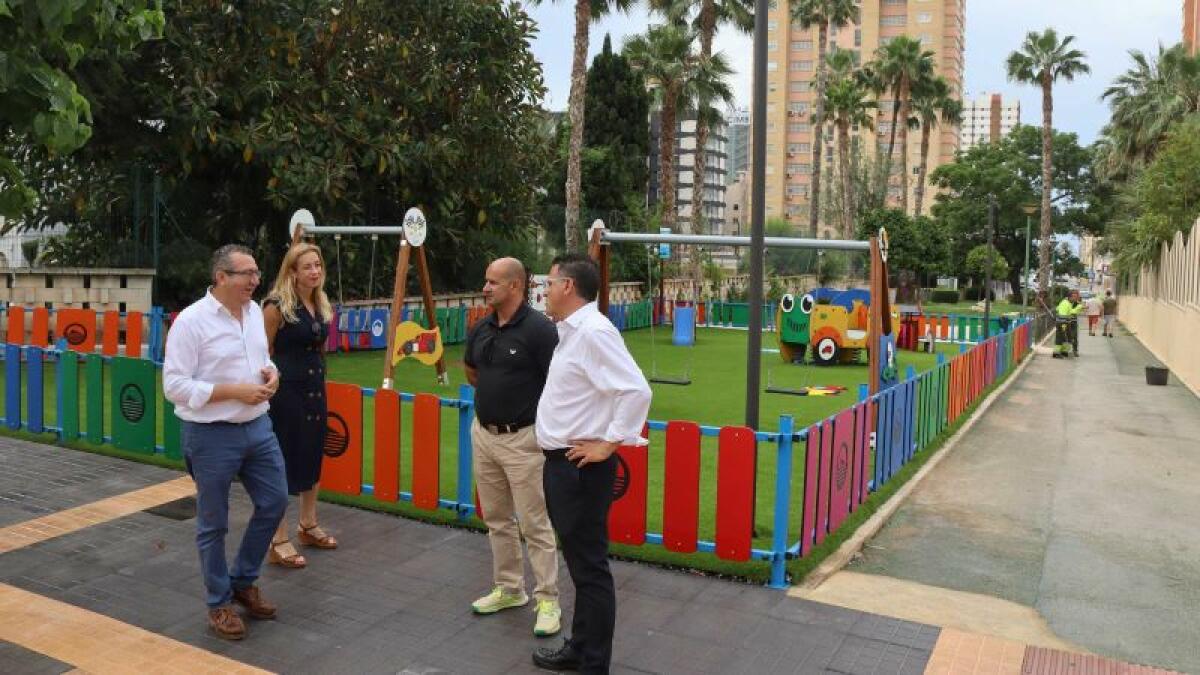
<point>1029,210</point>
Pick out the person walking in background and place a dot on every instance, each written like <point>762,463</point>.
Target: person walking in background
<point>218,373</point>
<point>595,400</point>
<point>507,357</point>
<point>1110,314</point>
<point>297,313</point>
<point>1094,309</point>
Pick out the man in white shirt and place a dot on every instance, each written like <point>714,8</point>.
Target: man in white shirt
<point>219,375</point>
<point>595,400</point>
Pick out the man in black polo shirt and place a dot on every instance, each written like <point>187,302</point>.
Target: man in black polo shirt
<point>507,357</point>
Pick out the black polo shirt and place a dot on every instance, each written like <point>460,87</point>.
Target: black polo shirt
<point>511,362</point>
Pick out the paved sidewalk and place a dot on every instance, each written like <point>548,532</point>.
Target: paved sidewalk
<point>1075,495</point>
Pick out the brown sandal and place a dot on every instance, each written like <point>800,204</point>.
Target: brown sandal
<point>315,536</point>
<point>294,561</point>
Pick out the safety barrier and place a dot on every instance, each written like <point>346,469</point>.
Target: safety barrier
<point>843,458</point>
<point>916,328</point>
<point>85,331</point>
<point>366,328</point>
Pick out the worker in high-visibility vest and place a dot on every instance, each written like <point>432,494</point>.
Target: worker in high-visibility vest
<point>1066,333</point>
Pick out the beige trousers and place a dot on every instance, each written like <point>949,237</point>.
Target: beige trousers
<point>508,475</point>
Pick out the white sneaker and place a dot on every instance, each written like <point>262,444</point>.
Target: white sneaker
<point>497,600</point>
<point>548,615</point>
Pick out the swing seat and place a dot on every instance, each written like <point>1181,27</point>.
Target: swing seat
<point>784,390</point>
<point>678,381</point>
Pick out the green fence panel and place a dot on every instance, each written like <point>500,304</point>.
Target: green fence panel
<point>133,404</point>
<point>67,389</point>
<point>94,375</point>
<point>741,315</point>
<point>171,442</point>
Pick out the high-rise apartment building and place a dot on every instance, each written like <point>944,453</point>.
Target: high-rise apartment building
<point>986,119</point>
<point>712,193</point>
<point>791,84</point>
<point>1191,25</point>
<point>738,122</point>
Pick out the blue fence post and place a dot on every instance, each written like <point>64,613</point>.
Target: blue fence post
<point>864,390</point>
<point>910,373</point>
<point>466,414</point>
<point>783,500</point>
<point>12,386</point>
<point>35,396</point>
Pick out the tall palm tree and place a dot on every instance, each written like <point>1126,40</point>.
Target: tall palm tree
<point>848,103</point>
<point>704,16</point>
<point>1043,60</point>
<point>821,14</point>
<point>586,11</point>
<point>903,67</point>
<point>680,78</point>
<point>932,104</point>
<point>1145,101</point>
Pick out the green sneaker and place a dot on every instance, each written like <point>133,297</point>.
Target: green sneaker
<point>497,600</point>
<point>548,615</point>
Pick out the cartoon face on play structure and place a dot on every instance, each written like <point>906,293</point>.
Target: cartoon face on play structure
<point>889,372</point>
<point>794,314</point>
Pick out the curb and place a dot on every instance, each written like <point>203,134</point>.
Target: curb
<point>842,556</point>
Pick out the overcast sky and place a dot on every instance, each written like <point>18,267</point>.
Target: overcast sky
<point>1105,30</point>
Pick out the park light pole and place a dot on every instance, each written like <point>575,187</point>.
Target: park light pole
<point>987,272</point>
<point>1029,210</point>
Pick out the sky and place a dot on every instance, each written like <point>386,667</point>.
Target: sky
<point>1105,31</point>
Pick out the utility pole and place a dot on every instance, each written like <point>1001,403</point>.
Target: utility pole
<point>987,272</point>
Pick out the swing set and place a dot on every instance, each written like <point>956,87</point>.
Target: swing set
<point>403,340</point>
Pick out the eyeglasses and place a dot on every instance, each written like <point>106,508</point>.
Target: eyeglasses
<point>253,274</point>
<point>551,280</point>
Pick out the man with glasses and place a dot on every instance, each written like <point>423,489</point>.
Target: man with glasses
<point>595,400</point>
<point>507,356</point>
<point>219,375</point>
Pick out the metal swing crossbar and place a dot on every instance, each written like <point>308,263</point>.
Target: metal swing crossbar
<point>608,237</point>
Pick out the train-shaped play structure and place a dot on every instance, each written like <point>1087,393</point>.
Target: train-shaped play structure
<point>830,324</point>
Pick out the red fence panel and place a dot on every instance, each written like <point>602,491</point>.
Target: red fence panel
<point>627,517</point>
<point>735,492</point>
<point>133,335</point>
<point>841,468</point>
<point>16,325</point>
<point>812,469</point>
<point>341,468</point>
<point>112,333</point>
<point>41,327</point>
<point>823,481</point>
<point>426,451</point>
<point>77,327</point>
<point>387,445</point>
<point>681,487</point>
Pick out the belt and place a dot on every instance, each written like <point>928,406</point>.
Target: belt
<point>505,428</point>
<point>555,453</point>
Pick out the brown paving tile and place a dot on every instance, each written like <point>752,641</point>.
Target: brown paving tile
<point>54,525</point>
<point>1042,661</point>
<point>93,642</point>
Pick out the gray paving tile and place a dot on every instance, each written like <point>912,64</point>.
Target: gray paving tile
<point>16,659</point>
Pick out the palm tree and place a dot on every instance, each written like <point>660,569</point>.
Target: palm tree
<point>586,11</point>
<point>902,67</point>
<point>680,79</point>
<point>930,105</point>
<point>1043,60</point>
<point>848,103</point>
<point>822,14</point>
<point>1146,100</point>
<point>708,15</point>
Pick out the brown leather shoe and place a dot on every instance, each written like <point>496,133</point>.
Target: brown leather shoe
<point>226,623</point>
<point>254,602</point>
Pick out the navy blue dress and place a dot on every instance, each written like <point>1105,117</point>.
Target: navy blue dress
<point>299,410</point>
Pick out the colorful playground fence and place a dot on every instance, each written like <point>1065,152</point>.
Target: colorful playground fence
<point>844,458</point>
<point>82,330</point>
<point>956,328</point>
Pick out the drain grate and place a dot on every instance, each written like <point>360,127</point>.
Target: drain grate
<point>180,509</point>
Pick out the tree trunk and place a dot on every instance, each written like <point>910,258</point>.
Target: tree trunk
<point>1047,163</point>
<point>905,108</point>
<point>708,27</point>
<point>666,159</point>
<point>887,163</point>
<point>575,106</point>
<point>843,127</point>
<point>814,212</point>
<point>925,128</point>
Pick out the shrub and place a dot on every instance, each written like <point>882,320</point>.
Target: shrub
<point>944,295</point>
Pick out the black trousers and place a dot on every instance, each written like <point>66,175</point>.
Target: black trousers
<point>578,501</point>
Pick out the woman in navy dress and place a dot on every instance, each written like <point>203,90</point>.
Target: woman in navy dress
<point>297,313</point>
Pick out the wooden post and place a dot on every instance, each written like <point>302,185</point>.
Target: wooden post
<point>397,306</point>
<point>875,323</point>
<point>599,252</point>
<point>430,309</point>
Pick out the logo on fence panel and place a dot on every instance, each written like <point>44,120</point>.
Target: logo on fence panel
<point>842,470</point>
<point>76,334</point>
<point>337,435</point>
<point>133,403</point>
<point>621,481</point>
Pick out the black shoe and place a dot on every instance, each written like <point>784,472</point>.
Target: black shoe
<point>563,658</point>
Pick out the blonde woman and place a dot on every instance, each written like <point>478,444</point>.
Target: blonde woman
<point>296,314</point>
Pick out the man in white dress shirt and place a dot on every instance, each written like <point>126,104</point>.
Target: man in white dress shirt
<point>595,400</point>
<point>219,375</point>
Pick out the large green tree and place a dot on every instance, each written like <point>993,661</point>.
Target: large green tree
<point>1011,171</point>
<point>617,129</point>
<point>42,42</point>
<point>355,112</point>
<point>1042,60</point>
<point>903,67</point>
<point>847,104</point>
<point>933,106</point>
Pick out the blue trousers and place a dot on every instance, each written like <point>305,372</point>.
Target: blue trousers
<point>216,453</point>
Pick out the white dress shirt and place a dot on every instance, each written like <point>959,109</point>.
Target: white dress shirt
<point>594,390</point>
<point>207,346</point>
